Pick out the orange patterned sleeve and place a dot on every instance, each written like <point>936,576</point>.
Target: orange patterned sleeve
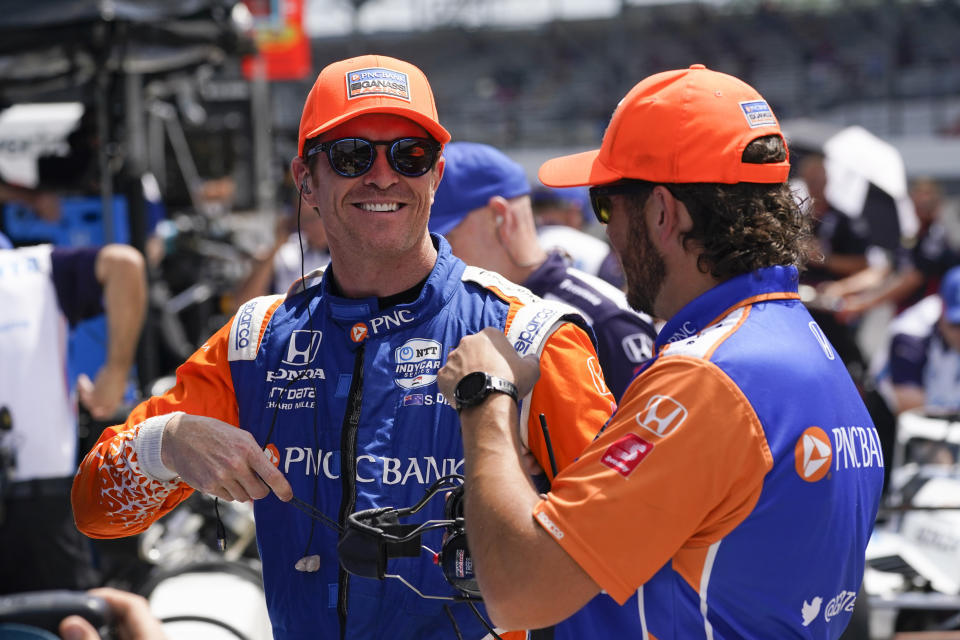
<point>111,496</point>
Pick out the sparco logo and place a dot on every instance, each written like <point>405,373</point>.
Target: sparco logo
<point>244,320</point>
<point>530,331</point>
<point>417,363</point>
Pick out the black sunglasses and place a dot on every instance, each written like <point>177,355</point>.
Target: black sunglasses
<point>600,196</point>
<point>353,157</point>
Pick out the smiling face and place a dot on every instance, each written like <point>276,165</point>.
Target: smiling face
<point>380,214</point>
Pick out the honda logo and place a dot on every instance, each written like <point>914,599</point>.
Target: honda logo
<point>637,347</point>
<point>303,347</point>
<point>596,374</point>
<point>662,415</point>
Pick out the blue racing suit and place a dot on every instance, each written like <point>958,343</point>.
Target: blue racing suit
<point>342,394</point>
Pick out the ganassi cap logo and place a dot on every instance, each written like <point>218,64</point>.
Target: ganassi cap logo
<point>813,454</point>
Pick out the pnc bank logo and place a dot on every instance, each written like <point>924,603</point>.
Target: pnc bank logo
<point>358,332</point>
<point>813,454</point>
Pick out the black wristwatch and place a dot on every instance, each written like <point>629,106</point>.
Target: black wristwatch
<point>474,387</point>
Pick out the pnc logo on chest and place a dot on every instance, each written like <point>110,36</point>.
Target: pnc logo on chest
<point>361,331</point>
<point>358,332</point>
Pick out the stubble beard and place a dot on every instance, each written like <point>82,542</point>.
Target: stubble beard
<point>643,268</point>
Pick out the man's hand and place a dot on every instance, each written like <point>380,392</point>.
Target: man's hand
<point>490,352</point>
<point>132,618</point>
<point>221,460</point>
<point>103,397</point>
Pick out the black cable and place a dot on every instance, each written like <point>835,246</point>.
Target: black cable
<point>314,512</point>
<point>483,620</point>
<point>453,621</point>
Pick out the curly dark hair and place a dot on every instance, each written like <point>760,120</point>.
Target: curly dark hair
<point>746,226</point>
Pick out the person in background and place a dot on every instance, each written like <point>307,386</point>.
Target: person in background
<point>840,241</point>
<point>482,207</point>
<point>45,289</point>
<point>568,207</point>
<point>706,492</point>
<point>324,402</point>
<point>563,224</point>
<point>918,265</point>
<point>923,360</point>
<point>838,248</point>
<point>292,255</point>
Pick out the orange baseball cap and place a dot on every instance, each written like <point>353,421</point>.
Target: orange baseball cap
<point>688,125</point>
<point>369,84</point>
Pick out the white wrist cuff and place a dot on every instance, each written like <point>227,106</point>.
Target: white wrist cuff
<point>147,444</point>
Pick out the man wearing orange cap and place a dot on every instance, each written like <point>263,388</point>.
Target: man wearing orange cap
<point>732,493</point>
<point>334,386</point>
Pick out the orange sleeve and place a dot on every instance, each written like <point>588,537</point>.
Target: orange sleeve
<point>680,465</point>
<point>572,396</point>
<point>111,497</point>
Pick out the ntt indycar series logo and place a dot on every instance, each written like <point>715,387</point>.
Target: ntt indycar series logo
<point>417,363</point>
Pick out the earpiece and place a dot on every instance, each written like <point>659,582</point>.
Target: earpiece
<point>304,188</point>
<point>498,220</point>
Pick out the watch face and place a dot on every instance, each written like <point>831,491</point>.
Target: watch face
<point>470,386</point>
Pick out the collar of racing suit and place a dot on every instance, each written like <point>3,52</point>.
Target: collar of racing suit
<point>768,283</point>
<point>385,314</point>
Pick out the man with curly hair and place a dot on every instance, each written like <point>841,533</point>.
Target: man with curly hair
<point>733,492</point>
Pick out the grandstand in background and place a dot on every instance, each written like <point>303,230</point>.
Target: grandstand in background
<point>891,67</point>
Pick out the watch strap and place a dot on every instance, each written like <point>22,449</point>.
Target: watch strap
<point>492,384</point>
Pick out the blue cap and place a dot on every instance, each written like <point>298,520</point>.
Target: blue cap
<point>576,196</point>
<point>473,173</point>
<point>950,293</point>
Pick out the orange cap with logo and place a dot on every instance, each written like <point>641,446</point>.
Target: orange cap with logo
<point>688,125</point>
<point>369,84</point>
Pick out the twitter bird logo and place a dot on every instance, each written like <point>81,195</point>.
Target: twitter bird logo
<point>811,610</point>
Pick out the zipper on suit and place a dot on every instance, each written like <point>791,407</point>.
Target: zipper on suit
<point>348,474</point>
